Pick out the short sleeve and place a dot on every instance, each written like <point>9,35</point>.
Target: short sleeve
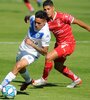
<point>67,18</point>
<point>46,39</point>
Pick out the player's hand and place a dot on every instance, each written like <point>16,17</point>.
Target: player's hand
<point>29,42</point>
<point>26,19</point>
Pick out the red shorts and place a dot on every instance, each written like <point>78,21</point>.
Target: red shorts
<point>64,50</point>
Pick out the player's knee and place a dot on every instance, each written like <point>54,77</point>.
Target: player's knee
<point>48,58</point>
<point>18,67</point>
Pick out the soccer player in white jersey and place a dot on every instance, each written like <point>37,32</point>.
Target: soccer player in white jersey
<point>35,43</point>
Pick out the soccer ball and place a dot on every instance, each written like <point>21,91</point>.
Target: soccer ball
<point>9,91</point>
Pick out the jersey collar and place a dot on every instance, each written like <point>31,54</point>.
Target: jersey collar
<point>54,16</point>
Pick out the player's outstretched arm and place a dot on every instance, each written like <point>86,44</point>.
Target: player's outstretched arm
<point>81,24</point>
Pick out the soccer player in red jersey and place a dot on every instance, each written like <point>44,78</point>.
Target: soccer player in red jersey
<point>60,25</point>
<point>29,6</point>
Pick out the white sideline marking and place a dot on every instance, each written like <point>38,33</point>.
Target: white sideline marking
<point>82,41</point>
<point>51,41</point>
<point>9,42</point>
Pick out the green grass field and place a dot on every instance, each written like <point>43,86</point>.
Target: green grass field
<point>13,30</point>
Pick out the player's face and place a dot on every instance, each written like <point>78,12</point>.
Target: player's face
<point>49,10</point>
<point>39,23</point>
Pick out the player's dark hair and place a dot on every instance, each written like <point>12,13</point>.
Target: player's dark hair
<point>41,14</point>
<point>48,3</point>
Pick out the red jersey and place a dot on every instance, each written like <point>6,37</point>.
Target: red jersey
<point>60,27</point>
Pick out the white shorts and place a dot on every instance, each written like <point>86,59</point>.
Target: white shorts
<point>29,57</point>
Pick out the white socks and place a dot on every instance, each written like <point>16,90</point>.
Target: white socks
<point>10,76</point>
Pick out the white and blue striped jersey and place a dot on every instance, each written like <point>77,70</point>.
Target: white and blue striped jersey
<point>41,38</point>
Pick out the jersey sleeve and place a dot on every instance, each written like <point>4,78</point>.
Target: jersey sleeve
<point>46,39</point>
<point>67,18</point>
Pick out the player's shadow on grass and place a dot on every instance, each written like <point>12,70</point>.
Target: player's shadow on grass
<point>22,93</point>
<point>18,93</point>
<point>47,85</point>
<point>51,85</point>
<point>2,98</point>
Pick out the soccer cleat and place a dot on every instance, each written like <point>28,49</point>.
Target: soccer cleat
<point>75,83</point>
<point>39,82</point>
<point>25,85</point>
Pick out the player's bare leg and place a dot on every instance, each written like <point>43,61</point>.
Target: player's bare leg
<point>28,5</point>
<point>12,75</point>
<point>59,67</point>
<point>48,66</point>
